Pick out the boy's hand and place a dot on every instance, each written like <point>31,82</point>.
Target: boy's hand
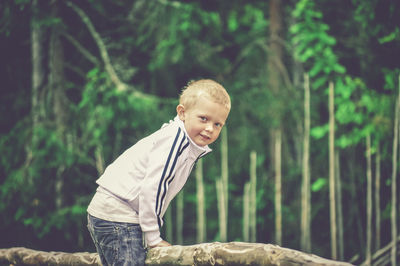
<point>161,244</point>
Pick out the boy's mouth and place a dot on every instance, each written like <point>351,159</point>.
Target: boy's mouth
<point>205,137</point>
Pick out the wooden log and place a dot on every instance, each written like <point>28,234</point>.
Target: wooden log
<point>24,256</point>
<point>233,253</point>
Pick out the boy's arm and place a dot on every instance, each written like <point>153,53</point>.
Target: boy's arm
<point>161,168</point>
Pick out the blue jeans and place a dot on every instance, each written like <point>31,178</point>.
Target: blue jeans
<point>117,243</point>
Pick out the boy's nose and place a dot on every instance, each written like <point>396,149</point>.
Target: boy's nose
<point>209,127</point>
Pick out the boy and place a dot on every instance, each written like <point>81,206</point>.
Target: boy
<point>136,189</point>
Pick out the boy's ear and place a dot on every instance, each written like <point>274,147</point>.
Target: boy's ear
<point>180,110</point>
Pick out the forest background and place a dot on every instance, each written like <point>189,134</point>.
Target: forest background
<point>308,159</point>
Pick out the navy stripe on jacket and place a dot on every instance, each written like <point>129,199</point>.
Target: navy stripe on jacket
<point>166,179</point>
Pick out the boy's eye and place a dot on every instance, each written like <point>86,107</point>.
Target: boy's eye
<point>203,118</point>
<point>218,125</point>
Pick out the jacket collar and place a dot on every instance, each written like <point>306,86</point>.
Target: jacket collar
<point>198,150</point>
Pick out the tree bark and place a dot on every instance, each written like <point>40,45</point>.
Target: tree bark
<point>57,88</point>
<point>246,212</point>
<point>393,213</point>
<point>234,253</point>
<point>224,166</point>
<point>102,48</point>
<point>383,255</point>
<point>37,68</point>
<point>305,188</point>
<point>369,200</point>
<point>222,188</point>
<point>339,207</point>
<point>275,77</point>
<point>276,48</point>
<point>278,187</point>
<point>377,198</point>
<point>201,207</point>
<point>221,209</point>
<point>29,257</point>
<point>99,158</point>
<point>80,48</point>
<point>253,196</point>
<point>332,197</point>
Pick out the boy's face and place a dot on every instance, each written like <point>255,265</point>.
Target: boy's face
<point>203,121</point>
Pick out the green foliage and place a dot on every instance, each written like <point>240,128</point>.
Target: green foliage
<point>250,18</point>
<point>155,48</point>
<point>319,132</point>
<point>313,45</point>
<point>361,111</point>
<point>395,35</point>
<point>186,23</point>
<point>391,79</point>
<point>356,106</point>
<point>108,113</point>
<point>27,188</point>
<point>318,184</point>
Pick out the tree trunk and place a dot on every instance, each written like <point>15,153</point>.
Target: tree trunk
<point>222,188</point>
<point>29,257</point>
<point>221,209</point>
<point>394,178</point>
<point>276,49</point>
<point>377,198</point>
<point>339,207</point>
<point>383,256</point>
<point>38,72</point>
<point>332,198</point>
<point>179,217</point>
<point>253,196</point>
<point>234,253</point>
<point>56,85</point>
<point>102,48</point>
<point>201,207</point>
<point>246,212</point>
<point>57,77</point>
<point>278,187</point>
<point>224,167</point>
<point>305,188</point>
<point>369,200</point>
<point>99,158</point>
<point>274,64</point>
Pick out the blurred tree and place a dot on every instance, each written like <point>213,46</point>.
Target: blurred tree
<point>306,189</point>
<point>201,210</point>
<point>377,198</point>
<point>151,49</point>
<point>222,186</point>
<point>332,183</point>
<point>369,200</point>
<point>393,213</point>
<point>274,66</point>
<point>37,67</point>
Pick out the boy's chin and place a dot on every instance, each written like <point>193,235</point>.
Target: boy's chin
<point>202,143</point>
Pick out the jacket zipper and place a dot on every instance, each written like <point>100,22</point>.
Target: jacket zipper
<point>194,163</point>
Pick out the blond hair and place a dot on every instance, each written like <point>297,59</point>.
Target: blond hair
<point>207,87</point>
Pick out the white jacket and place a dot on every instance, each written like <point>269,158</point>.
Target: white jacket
<point>148,175</point>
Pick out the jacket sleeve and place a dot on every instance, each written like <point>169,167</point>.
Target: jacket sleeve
<point>160,171</point>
